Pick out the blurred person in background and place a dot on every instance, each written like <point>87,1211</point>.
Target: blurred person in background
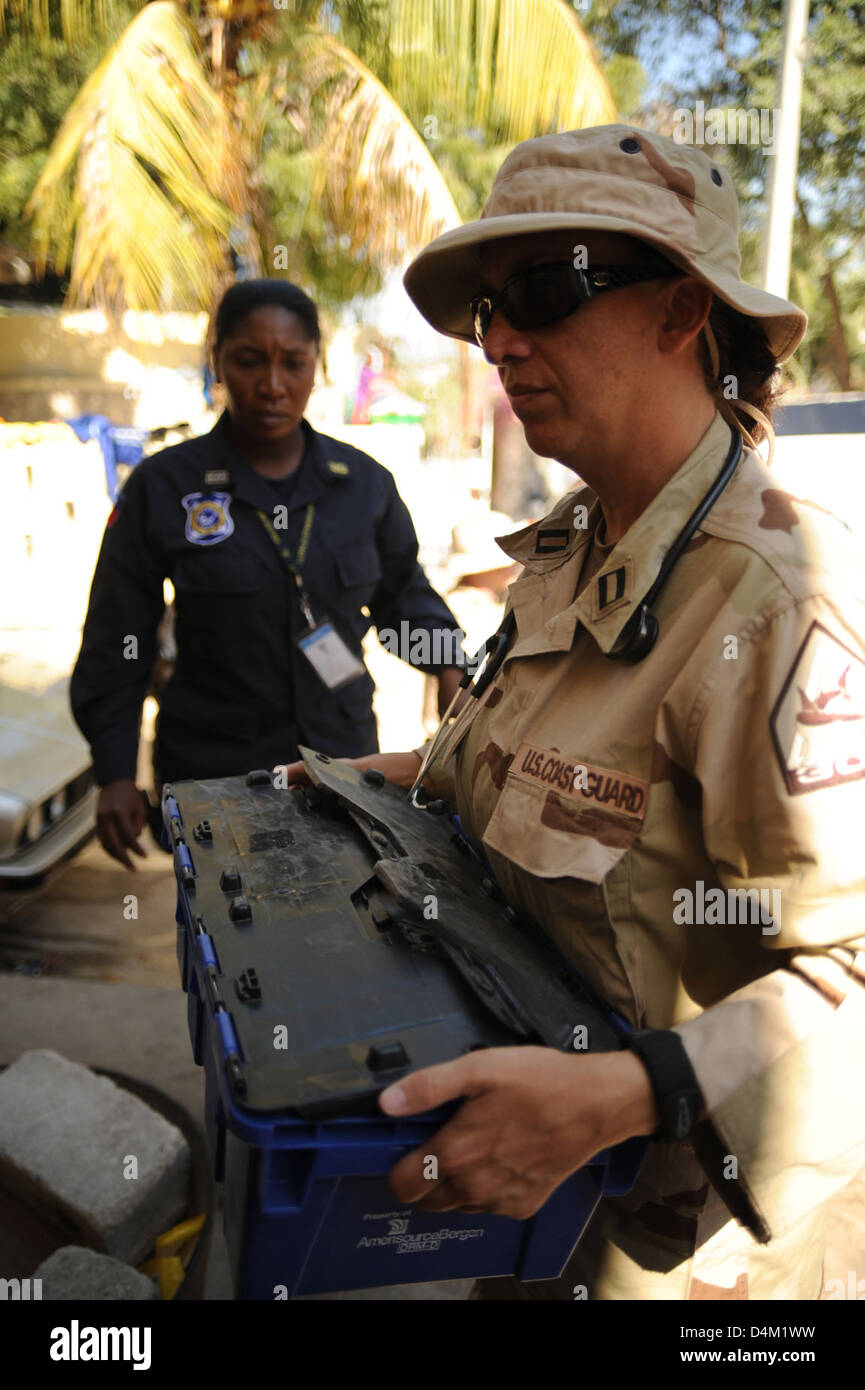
<point>282,545</point>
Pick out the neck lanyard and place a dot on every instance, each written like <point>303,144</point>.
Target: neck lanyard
<point>479,672</point>
<point>286,557</point>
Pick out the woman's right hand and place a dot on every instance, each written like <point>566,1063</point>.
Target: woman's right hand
<point>120,818</point>
<point>399,768</point>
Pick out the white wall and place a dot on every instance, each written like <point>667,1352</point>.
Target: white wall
<point>828,469</point>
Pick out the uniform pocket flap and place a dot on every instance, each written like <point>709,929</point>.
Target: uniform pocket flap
<point>557,818</point>
<point>359,565</point>
<point>212,570</point>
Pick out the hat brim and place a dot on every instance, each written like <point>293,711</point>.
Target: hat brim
<point>444,277</point>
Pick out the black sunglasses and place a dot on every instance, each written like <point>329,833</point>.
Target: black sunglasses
<point>546,293</point>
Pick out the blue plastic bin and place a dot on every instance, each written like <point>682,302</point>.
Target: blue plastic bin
<point>307,1205</point>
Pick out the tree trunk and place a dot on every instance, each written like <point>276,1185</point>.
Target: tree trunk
<point>508,490</point>
<point>836,341</point>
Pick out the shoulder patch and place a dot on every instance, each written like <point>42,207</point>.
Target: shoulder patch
<point>216,475</point>
<point>208,517</point>
<point>818,723</point>
<point>338,467</point>
<point>119,499</point>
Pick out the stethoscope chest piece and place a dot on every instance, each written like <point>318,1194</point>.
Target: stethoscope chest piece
<point>637,637</point>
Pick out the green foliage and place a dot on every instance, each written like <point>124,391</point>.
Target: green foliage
<point>469,164</point>
<point>357,80</point>
<point>736,47</point>
<point>363,25</point>
<point>739,43</point>
<point>439,101</point>
<point>304,245</point>
<point>616,43</point>
<point>627,78</point>
<point>37,86</point>
<point>468,118</point>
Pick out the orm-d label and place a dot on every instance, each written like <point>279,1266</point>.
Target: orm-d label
<point>600,786</point>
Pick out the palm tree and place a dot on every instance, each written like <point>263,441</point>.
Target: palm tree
<point>154,174</point>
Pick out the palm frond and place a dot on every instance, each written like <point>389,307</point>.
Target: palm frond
<point>378,179</point>
<point>158,183</point>
<point>78,18</point>
<point>517,67</point>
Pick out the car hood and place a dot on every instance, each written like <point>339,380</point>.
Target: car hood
<point>40,746</point>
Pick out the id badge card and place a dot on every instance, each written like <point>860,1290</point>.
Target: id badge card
<point>329,657</point>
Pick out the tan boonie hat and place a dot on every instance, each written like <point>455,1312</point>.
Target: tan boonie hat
<point>612,178</point>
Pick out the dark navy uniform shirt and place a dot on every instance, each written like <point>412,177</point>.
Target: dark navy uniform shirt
<point>242,694</point>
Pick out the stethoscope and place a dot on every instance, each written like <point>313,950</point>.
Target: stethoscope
<point>634,642</point>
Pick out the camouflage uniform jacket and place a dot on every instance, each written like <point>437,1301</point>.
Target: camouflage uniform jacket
<point>619,803</point>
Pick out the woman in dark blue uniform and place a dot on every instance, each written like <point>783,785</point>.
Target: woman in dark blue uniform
<point>283,546</point>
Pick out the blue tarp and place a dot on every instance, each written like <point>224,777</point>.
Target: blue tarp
<point>119,444</point>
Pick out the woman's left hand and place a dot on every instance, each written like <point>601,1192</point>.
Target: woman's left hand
<point>531,1116</point>
<point>399,768</point>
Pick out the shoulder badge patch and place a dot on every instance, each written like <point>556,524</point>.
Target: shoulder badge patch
<point>115,510</point>
<point>208,518</point>
<point>338,467</point>
<point>216,475</point>
<point>818,723</point>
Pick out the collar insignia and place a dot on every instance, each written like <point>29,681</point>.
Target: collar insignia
<point>550,542</point>
<point>612,589</point>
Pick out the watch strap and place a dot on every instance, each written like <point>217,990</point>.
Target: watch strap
<point>673,1079</point>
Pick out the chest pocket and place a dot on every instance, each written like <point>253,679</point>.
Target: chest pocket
<point>214,570</point>
<point>358,571</point>
<point>218,604</point>
<point>359,567</point>
<point>575,853</point>
<point>552,833</point>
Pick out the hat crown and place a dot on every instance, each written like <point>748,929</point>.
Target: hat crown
<point>672,194</point>
<point>614,178</point>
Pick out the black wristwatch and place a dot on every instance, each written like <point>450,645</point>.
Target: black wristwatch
<point>674,1083</point>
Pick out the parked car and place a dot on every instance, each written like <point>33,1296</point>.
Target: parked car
<point>48,792</point>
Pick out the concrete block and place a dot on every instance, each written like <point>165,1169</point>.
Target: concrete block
<point>90,1155</point>
<point>75,1272</point>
